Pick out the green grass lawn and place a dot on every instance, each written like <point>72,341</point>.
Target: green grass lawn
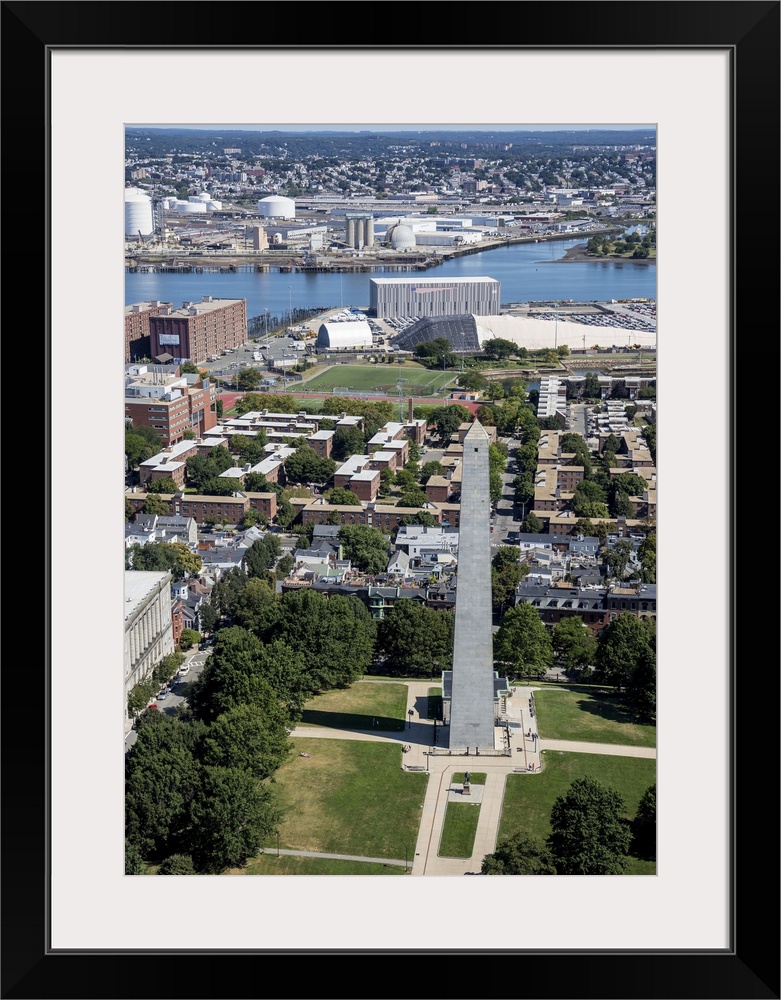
<point>458,830</point>
<point>285,864</point>
<point>528,800</point>
<point>381,378</point>
<point>591,715</point>
<point>358,706</point>
<point>349,797</point>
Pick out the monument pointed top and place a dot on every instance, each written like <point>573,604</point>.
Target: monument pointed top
<point>476,430</point>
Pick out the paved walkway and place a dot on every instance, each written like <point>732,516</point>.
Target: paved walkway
<point>424,755</point>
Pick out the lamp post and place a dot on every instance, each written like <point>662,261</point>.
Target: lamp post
<point>409,724</point>
<point>277,843</point>
<point>290,290</point>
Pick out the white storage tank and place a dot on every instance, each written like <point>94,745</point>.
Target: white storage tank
<point>138,214</point>
<point>275,207</point>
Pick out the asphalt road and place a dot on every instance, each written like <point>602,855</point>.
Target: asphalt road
<point>178,694</point>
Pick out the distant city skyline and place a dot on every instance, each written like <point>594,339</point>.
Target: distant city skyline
<point>358,128</point>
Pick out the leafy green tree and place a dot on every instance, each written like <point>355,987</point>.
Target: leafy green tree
<point>177,864</point>
<point>130,510</point>
<point>261,555</point>
<point>283,567</point>
<point>621,505</point>
<point>188,368</point>
<point>138,696</point>
<point>233,816</point>
<point>590,834</point>
<point>435,353</point>
<point>523,642</point>
<point>202,469</point>
<point>507,571</point>
<point>622,643</point>
<point>340,495</point>
<point>589,500</point>
<point>209,616</point>
<point>472,381</point>
<point>644,825</point>
<point>305,466</point>
<point>162,777</point>
<point>134,863</point>
<point>162,485</point>
<point>532,524</point>
<point>256,607</point>
<point>227,590</point>
<point>445,421</point>
<point>412,497</point>
<point>250,739</point>
<point>616,559</point>
<point>347,441</point>
<point>248,379</point>
<point>159,557</point>
<point>154,504</point>
<point>430,469</point>
<point>141,443</point>
<point>366,547</point>
<point>416,641</point>
<point>641,686</point>
<point>335,636</point>
<point>574,645</point>
<point>647,554</point>
<point>286,512</point>
<point>498,349</point>
<point>188,638</point>
<point>256,482</point>
<point>520,854</point>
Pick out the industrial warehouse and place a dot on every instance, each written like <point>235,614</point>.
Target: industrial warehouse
<point>419,297</point>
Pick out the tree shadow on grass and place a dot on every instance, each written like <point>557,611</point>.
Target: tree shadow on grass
<point>614,710</point>
<point>349,720</point>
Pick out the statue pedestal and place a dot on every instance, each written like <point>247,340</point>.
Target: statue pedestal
<point>467,788</point>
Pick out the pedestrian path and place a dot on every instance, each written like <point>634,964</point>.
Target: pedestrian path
<point>525,756</point>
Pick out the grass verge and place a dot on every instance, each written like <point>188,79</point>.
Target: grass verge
<point>378,707</point>
<point>528,800</point>
<point>590,715</point>
<point>349,797</point>
<point>459,829</point>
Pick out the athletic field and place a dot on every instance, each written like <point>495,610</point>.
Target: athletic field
<point>380,379</point>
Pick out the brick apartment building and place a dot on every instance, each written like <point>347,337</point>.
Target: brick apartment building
<point>137,344</point>
<point>173,406</point>
<point>199,329</point>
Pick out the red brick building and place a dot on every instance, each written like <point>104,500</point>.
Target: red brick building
<point>137,344</point>
<point>176,409</point>
<point>199,329</point>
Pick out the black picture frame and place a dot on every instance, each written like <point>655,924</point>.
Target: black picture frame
<point>750,969</point>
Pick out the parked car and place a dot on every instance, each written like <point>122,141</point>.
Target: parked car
<point>184,669</point>
<point>162,694</point>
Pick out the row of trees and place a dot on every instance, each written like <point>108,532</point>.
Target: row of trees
<point>590,835</point>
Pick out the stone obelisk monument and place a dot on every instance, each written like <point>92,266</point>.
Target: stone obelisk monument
<point>472,698</point>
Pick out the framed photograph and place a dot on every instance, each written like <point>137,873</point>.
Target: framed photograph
<point>706,76</point>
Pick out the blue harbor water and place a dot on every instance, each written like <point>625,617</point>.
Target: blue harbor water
<point>526,271</point>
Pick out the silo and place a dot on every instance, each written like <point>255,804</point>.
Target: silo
<point>350,240</point>
<point>138,214</point>
<point>369,234</point>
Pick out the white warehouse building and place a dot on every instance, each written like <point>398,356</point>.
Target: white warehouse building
<point>347,336</point>
<point>275,207</point>
<point>422,297</point>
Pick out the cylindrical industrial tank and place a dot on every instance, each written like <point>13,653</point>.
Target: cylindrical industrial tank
<point>369,240</point>
<point>277,208</point>
<point>350,233</point>
<point>138,214</point>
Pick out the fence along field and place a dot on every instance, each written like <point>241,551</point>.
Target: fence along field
<point>380,379</point>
